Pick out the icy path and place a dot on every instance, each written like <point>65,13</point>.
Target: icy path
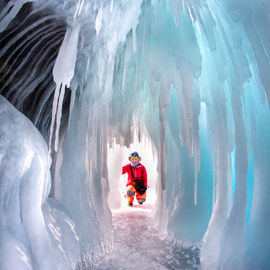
<point>138,246</point>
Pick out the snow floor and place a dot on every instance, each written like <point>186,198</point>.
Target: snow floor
<point>138,246</point>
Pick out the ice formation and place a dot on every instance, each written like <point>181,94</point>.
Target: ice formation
<point>191,75</point>
<point>36,232</point>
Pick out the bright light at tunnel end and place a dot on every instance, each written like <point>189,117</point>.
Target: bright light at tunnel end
<point>118,157</point>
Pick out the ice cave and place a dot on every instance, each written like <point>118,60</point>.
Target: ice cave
<point>186,83</point>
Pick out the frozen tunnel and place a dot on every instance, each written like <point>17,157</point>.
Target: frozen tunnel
<point>118,157</point>
<point>84,83</point>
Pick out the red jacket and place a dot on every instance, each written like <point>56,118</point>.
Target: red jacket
<point>139,173</point>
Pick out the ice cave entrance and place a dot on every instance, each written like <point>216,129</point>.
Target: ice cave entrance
<point>118,157</point>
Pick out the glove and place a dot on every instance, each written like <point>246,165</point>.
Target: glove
<point>142,190</point>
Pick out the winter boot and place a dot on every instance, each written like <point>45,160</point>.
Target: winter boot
<point>141,200</point>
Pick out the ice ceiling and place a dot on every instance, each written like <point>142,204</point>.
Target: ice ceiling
<point>191,75</point>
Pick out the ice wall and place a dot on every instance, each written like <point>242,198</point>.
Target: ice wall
<point>191,74</point>
<point>36,232</point>
<point>195,75</point>
<point>29,45</point>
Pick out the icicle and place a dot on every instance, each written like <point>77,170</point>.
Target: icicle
<point>63,72</point>
<point>101,68</point>
<point>78,9</point>
<point>176,7</point>
<point>54,109</point>
<point>58,116</point>
<point>111,7</point>
<point>134,39</point>
<point>98,22</point>
<point>214,186</point>
<point>81,6</point>
<point>196,188</point>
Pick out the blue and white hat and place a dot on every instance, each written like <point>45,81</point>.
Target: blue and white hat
<point>134,154</point>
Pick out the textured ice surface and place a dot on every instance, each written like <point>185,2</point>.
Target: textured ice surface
<point>139,246</point>
<point>36,233</point>
<point>195,75</point>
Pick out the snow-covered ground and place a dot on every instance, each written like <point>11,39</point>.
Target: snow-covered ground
<point>138,245</point>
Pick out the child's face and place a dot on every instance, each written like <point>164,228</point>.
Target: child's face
<point>134,159</point>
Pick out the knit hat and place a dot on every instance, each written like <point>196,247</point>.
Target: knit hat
<point>134,154</point>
